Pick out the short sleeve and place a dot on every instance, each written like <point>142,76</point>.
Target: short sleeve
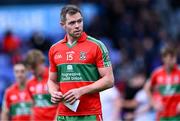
<point>153,79</point>
<point>52,65</point>
<point>102,56</point>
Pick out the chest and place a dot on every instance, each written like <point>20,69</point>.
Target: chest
<point>19,96</point>
<point>169,84</point>
<point>38,88</point>
<point>81,53</point>
<point>168,79</point>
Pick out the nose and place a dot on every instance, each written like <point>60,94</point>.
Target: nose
<point>77,25</point>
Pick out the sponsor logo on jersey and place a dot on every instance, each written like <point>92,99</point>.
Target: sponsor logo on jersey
<point>69,68</point>
<point>57,56</point>
<point>176,79</point>
<point>13,97</point>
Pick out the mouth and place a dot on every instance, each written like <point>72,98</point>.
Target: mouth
<point>77,31</point>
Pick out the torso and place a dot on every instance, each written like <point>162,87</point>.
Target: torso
<point>19,102</point>
<point>168,87</point>
<point>41,97</point>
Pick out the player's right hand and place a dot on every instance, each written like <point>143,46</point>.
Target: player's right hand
<point>56,97</point>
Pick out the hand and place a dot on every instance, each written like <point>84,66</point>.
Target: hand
<point>72,95</point>
<point>178,109</point>
<point>158,106</point>
<point>56,97</point>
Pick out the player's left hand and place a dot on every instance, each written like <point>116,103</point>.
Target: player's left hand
<point>178,109</point>
<point>72,95</point>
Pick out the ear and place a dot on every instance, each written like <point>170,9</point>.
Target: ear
<point>62,23</point>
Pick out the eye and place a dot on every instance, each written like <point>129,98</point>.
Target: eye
<point>72,22</point>
<point>79,21</point>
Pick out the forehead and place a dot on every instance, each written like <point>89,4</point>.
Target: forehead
<point>19,67</point>
<point>73,17</point>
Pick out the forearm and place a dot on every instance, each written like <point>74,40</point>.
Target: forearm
<point>52,86</point>
<point>148,90</point>
<point>100,85</point>
<point>4,116</point>
<point>129,104</point>
<point>143,109</point>
<point>117,105</point>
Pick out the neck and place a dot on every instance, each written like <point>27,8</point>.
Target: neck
<point>70,39</point>
<point>40,75</point>
<point>21,85</point>
<point>169,68</point>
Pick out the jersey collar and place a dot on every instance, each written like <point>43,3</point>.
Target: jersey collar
<point>18,86</point>
<point>175,67</point>
<point>80,39</point>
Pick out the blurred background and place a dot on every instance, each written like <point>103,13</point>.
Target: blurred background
<point>133,30</point>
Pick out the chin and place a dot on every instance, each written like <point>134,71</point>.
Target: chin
<point>77,36</point>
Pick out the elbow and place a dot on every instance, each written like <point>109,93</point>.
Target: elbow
<point>111,82</point>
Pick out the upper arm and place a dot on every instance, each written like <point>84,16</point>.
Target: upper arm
<point>107,75</point>
<point>103,62</point>
<point>52,76</point>
<point>5,105</point>
<point>152,81</point>
<point>106,71</point>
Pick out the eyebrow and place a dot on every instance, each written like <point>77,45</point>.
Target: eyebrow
<point>75,21</point>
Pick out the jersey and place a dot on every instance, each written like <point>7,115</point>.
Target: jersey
<point>43,109</point>
<point>18,102</point>
<point>76,66</point>
<point>168,88</point>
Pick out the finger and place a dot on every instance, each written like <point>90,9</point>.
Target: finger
<point>58,93</point>
<point>72,101</point>
<point>67,95</point>
<point>53,101</point>
<point>56,100</point>
<point>56,96</point>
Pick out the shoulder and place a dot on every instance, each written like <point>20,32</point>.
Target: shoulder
<point>178,67</point>
<point>10,89</point>
<point>56,44</point>
<point>30,80</point>
<point>97,43</point>
<point>157,70</point>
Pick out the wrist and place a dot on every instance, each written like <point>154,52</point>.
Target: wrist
<point>83,90</point>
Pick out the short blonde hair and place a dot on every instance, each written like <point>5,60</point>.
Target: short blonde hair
<point>34,57</point>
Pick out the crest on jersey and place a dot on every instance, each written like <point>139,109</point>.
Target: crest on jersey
<point>83,55</point>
